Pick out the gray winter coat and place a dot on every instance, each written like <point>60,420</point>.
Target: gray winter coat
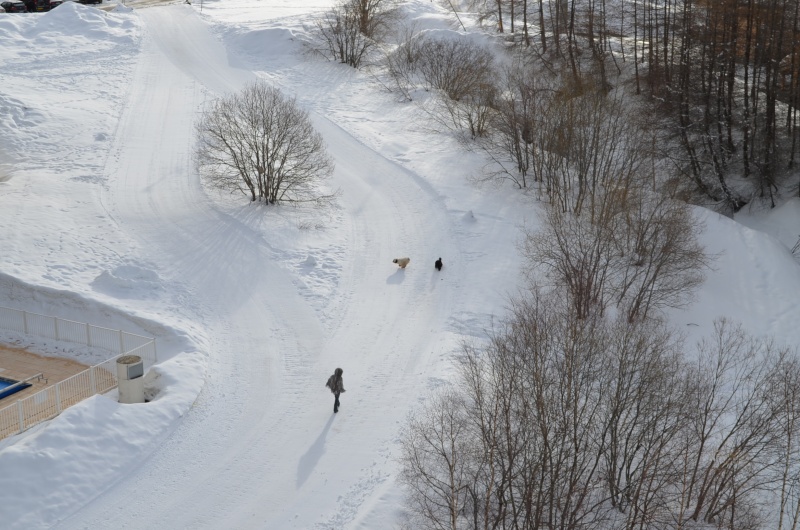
<point>335,382</point>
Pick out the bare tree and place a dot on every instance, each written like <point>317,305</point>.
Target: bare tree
<point>374,16</point>
<point>576,255</point>
<point>644,415</point>
<point>438,462</point>
<point>529,416</point>
<point>734,438</point>
<point>574,139</point>
<point>578,423</point>
<point>515,128</point>
<point>786,398</point>
<point>261,143</point>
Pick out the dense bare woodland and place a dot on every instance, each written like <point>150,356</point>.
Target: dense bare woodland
<point>720,82</point>
<point>724,75</point>
<point>586,410</point>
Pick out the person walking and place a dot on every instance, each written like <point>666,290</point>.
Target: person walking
<point>336,384</point>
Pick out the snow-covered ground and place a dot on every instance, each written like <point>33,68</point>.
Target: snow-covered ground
<point>103,219</point>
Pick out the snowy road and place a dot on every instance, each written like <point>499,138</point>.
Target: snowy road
<point>261,448</point>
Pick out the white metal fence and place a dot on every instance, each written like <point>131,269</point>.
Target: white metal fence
<point>49,402</point>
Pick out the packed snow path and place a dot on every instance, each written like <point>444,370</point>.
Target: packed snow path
<point>261,447</point>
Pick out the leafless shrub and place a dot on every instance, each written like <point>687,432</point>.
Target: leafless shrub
<point>352,29</point>
<point>662,261</point>
<point>462,72</point>
<point>632,247</point>
<point>261,143</point>
<point>401,63</point>
<point>456,66</point>
<point>472,113</point>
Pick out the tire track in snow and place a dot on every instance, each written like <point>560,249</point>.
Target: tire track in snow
<point>256,425</point>
<point>155,198</point>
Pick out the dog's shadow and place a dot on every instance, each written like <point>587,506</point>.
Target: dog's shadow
<point>397,278</point>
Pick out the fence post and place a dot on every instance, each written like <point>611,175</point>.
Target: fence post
<point>25,321</point>
<point>58,397</point>
<point>88,335</point>
<point>121,343</point>
<point>155,354</point>
<point>21,416</point>
<point>91,378</point>
<point>55,321</point>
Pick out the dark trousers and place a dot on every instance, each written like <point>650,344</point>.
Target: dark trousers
<point>336,402</point>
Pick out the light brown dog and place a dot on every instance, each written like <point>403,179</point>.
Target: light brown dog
<point>401,262</point>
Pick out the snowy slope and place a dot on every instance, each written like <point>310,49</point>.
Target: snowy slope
<point>255,307</point>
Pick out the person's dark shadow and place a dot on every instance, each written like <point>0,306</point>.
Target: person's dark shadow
<point>309,460</point>
<point>397,277</point>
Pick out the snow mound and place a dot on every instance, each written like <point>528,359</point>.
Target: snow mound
<point>90,444</point>
<point>18,121</point>
<point>129,281</point>
<point>78,21</point>
<point>70,25</point>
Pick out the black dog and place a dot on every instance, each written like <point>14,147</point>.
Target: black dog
<point>438,264</point>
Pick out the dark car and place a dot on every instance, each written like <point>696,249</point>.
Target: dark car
<point>90,1</point>
<point>14,7</point>
<point>42,5</point>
